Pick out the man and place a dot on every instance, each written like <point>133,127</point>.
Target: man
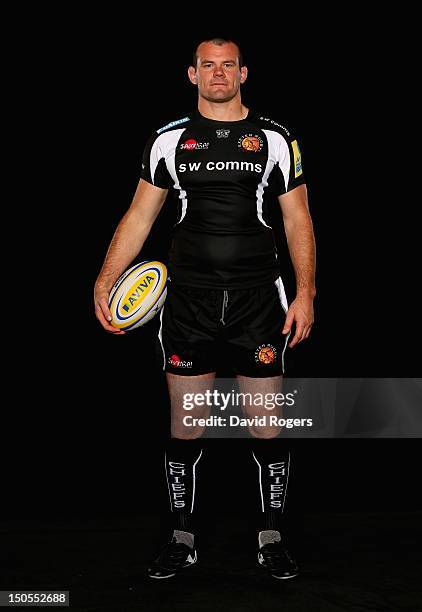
<point>225,290</point>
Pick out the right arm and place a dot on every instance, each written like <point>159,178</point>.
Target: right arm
<point>127,241</point>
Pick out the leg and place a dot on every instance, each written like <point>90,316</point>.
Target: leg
<point>258,346</point>
<point>268,388</point>
<point>183,453</point>
<point>183,390</point>
<point>186,344</point>
<point>272,457</point>
<point>273,460</point>
<point>184,449</point>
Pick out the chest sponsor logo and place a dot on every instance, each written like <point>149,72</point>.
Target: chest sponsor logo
<point>192,144</point>
<point>250,142</point>
<point>212,166</point>
<point>222,133</point>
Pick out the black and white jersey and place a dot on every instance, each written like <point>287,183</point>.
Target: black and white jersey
<point>222,172</point>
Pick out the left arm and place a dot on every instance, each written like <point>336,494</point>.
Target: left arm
<point>301,242</point>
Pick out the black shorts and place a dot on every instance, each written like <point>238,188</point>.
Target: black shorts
<point>199,326</point>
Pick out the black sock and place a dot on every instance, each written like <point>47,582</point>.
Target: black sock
<point>181,459</point>
<point>273,462</point>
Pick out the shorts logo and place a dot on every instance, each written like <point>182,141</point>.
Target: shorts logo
<point>265,353</point>
<point>297,158</point>
<point>191,144</point>
<point>250,142</point>
<point>176,362</point>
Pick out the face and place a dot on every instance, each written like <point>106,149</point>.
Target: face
<point>217,73</point>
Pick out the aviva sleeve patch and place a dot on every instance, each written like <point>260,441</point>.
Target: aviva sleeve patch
<point>297,158</point>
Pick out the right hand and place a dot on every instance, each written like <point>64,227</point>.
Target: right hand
<point>102,311</point>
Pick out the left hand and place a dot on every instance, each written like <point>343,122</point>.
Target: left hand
<point>301,311</point>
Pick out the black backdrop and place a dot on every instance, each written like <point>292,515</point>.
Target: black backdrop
<point>102,415</point>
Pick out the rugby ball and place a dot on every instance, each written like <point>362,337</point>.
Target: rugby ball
<point>138,295</point>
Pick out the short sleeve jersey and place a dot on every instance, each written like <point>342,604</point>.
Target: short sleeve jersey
<point>222,172</point>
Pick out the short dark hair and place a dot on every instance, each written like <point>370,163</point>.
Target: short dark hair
<point>219,42</point>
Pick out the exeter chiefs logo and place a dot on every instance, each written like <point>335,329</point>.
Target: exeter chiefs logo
<point>250,142</point>
<point>266,354</point>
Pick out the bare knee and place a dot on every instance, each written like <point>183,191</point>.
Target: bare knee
<point>264,432</point>
<point>186,433</point>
